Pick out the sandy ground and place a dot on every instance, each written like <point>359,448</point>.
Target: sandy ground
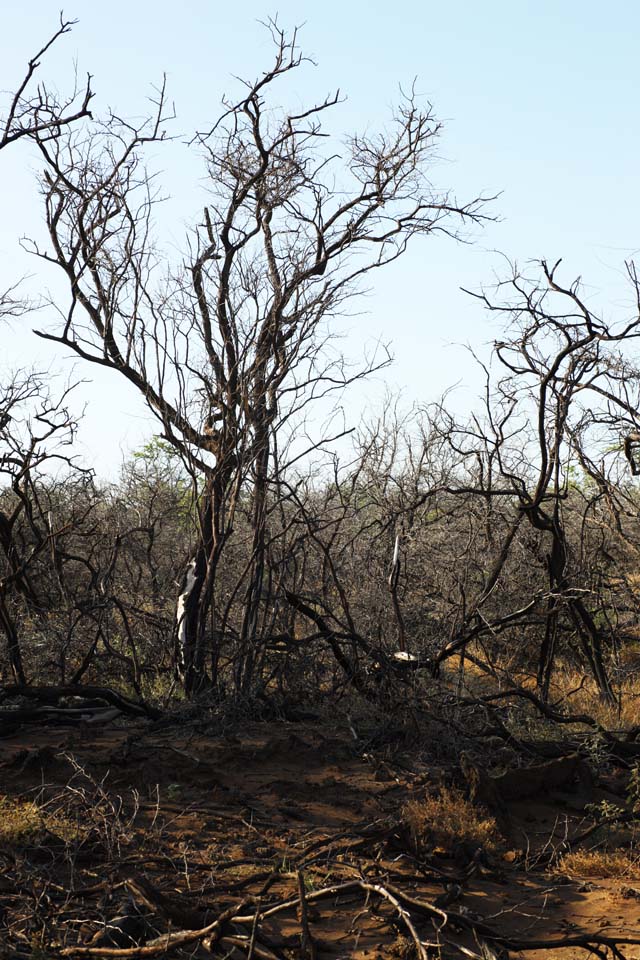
<point>210,821</point>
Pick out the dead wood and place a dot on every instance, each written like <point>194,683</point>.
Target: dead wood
<point>625,816</point>
<point>52,694</point>
<point>46,714</point>
<point>146,893</point>
<point>130,928</point>
<point>161,945</point>
<point>307,943</point>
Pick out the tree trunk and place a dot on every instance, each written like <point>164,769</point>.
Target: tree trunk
<point>194,600</point>
<point>253,596</point>
<point>559,586</point>
<point>13,643</point>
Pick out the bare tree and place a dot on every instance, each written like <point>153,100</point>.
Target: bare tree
<point>566,396</point>
<point>33,424</point>
<point>28,112</point>
<point>36,431</point>
<point>234,346</point>
<point>41,112</point>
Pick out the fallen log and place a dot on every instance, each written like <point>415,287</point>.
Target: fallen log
<point>90,715</point>
<point>52,694</point>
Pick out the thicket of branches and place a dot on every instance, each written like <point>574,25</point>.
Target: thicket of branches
<point>234,558</point>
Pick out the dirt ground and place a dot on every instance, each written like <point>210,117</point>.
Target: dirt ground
<point>172,826</point>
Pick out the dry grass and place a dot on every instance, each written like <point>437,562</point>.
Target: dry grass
<point>580,695</point>
<point>449,819</point>
<point>402,949</point>
<point>571,689</point>
<point>21,821</point>
<point>601,864</point>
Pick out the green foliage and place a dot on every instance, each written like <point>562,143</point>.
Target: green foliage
<point>603,810</point>
<point>157,450</point>
<point>158,466</point>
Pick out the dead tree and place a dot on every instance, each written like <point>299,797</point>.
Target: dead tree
<point>35,433</point>
<point>41,112</point>
<point>228,353</point>
<point>563,378</point>
<point>26,436</point>
<point>29,112</point>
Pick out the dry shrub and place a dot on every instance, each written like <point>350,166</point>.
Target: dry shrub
<point>601,864</point>
<point>449,819</point>
<point>402,949</point>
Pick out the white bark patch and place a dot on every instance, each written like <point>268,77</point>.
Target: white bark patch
<point>395,564</point>
<point>189,583</point>
<point>396,552</point>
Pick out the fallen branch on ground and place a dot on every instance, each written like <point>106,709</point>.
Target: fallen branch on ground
<point>51,696</point>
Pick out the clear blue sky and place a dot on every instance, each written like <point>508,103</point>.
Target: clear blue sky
<point>540,101</point>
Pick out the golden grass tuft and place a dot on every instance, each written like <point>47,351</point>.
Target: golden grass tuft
<point>448,819</point>
<point>19,820</point>
<point>22,820</point>
<point>578,694</point>
<point>601,865</point>
<point>570,689</point>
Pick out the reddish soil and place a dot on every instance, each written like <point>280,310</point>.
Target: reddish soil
<point>210,821</point>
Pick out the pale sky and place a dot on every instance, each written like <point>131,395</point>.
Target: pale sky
<point>540,104</point>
